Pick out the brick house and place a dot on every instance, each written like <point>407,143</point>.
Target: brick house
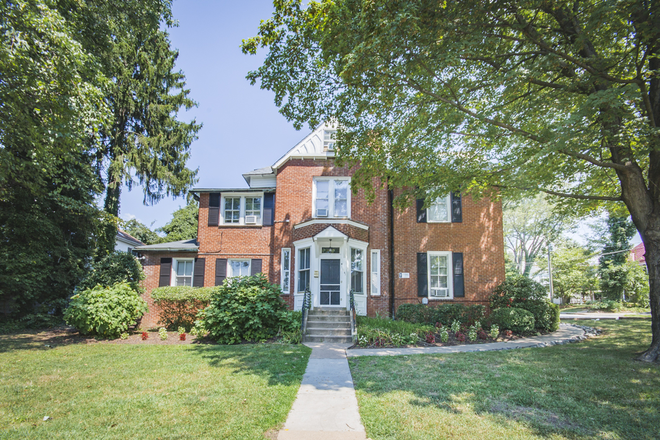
<point>299,223</point>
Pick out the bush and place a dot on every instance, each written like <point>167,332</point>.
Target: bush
<point>113,269</point>
<point>444,314</point>
<point>511,318</point>
<point>179,305</point>
<point>607,305</point>
<point>290,329</point>
<point>387,332</point>
<point>524,293</point>
<point>245,308</point>
<point>105,311</point>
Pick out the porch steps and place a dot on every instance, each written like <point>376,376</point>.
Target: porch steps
<point>328,325</point>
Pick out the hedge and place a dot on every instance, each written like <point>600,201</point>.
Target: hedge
<point>444,314</point>
<point>519,321</point>
<point>524,293</point>
<point>179,305</point>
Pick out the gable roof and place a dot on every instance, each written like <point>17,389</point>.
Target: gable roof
<point>311,147</point>
<point>127,238</point>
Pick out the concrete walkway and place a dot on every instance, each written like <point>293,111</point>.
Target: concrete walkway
<point>601,315</point>
<point>326,407</point>
<point>566,333</point>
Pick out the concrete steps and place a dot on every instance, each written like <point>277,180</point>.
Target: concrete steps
<point>328,325</point>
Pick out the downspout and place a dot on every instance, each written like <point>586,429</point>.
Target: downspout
<point>390,200</point>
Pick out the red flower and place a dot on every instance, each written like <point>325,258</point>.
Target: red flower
<point>145,336</point>
<point>182,337</point>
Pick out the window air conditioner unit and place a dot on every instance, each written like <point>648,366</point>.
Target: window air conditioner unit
<point>321,212</point>
<point>250,219</point>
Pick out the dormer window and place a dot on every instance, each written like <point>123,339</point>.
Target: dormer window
<point>242,209</point>
<point>332,197</point>
<point>329,140</point>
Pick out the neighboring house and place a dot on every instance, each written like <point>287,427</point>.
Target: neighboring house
<point>299,223</point>
<point>638,253</point>
<point>124,242</point>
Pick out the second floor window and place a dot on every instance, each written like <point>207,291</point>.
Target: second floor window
<point>332,197</point>
<point>440,210</point>
<point>242,209</point>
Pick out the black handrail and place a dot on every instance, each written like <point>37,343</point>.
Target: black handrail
<point>307,304</point>
<point>353,316</point>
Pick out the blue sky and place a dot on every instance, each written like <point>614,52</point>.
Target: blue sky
<point>242,127</point>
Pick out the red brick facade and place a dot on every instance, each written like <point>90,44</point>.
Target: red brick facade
<point>479,237</point>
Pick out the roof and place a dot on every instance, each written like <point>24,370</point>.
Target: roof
<point>260,172</point>
<point>220,190</point>
<point>128,238</point>
<point>638,253</point>
<point>172,246</point>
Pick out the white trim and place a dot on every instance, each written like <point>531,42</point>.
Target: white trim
<point>374,277</point>
<point>308,148</point>
<point>331,195</point>
<point>364,271</point>
<point>436,202</point>
<point>173,275</point>
<point>241,218</point>
<point>297,268</point>
<point>319,221</point>
<point>450,273</point>
<point>284,270</point>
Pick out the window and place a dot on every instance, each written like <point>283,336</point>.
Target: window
<point>242,209</point>
<point>440,210</point>
<point>375,272</point>
<point>285,274</point>
<point>332,197</point>
<point>238,268</point>
<point>440,281</point>
<point>183,272</point>
<point>357,271</point>
<point>304,269</point>
<point>329,140</point>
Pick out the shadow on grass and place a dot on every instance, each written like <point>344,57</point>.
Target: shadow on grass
<point>594,388</point>
<point>43,339</point>
<point>282,364</point>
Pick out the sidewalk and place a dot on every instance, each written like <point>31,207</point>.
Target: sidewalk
<point>326,407</point>
<point>601,315</point>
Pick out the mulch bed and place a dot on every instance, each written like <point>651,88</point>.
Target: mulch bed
<point>452,341</point>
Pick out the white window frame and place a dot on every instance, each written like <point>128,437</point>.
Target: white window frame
<point>298,270</point>
<point>450,274</point>
<point>331,196</point>
<point>243,196</point>
<point>175,263</point>
<point>375,274</point>
<point>285,270</point>
<point>364,263</point>
<point>230,273</point>
<point>446,200</point>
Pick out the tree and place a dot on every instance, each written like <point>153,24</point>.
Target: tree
<point>183,225</point>
<point>51,103</point>
<point>572,275</point>
<point>490,98</point>
<point>616,249</point>
<point>141,232</point>
<point>529,226</point>
<point>144,139</point>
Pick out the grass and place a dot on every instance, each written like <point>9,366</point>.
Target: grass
<point>593,389</point>
<point>105,391</point>
<point>392,326</point>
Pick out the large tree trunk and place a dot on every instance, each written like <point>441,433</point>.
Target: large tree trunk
<point>652,246</point>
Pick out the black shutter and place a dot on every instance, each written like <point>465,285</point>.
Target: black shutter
<point>198,277</point>
<point>269,209</point>
<point>456,208</point>
<point>459,283</point>
<point>421,212</point>
<point>220,271</point>
<point>214,209</point>
<point>255,267</point>
<point>165,272</point>
<point>422,275</point>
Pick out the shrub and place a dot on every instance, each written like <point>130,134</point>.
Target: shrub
<point>386,332</point>
<point>105,311</point>
<point>245,308</point>
<point>179,305</point>
<point>290,329</point>
<point>494,331</point>
<point>444,335</point>
<point>443,314</point>
<point>115,268</point>
<point>524,293</point>
<point>145,336</point>
<point>182,336</point>
<point>162,333</point>
<point>514,319</point>
<point>608,305</point>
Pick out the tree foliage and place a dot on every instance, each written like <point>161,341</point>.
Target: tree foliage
<point>560,97</point>
<point>529,226</point>
<point>140,231</point>
<point>183,225</point>
<point>572,274</point>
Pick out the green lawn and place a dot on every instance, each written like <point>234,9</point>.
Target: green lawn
<point>592,389</point>
<point>105,391</point>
